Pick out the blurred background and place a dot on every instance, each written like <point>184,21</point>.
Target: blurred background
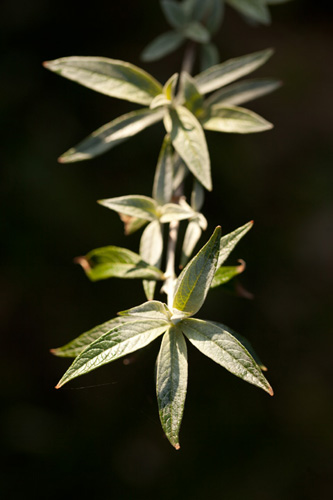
<point>100,434</point>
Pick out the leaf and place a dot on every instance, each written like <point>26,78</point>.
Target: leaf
<point>169,88</point>
<point>153,309</point>
<point>112,134</point>
<point>193,99</point>
<point>194,281</point>
<point>162,45</point>
<point>191,238</point>
<point>241,92</point>
<point>226,273</point>
<point>230,240</point>
<point>222,347</point>
<point>189,141</point>
<point>254,9</point>
<point>151,249</point>
<point>235,120</point>
<point>171,383</point>
<point>197,196</point>
<point>120,341</point>
<point>162,189</point>
<point>109,76</point>
<point>139,206</point>
<point>174,13</point>
<point>116,262</point>
<point>173,211</point>
<point>215,17</point>
<point>246,343</point>
<point>76,346</point>
<point>180,172</point>
<point>209,56</point>
<point>131,224</point>
<point>224,73</point>
<point>196,32</point>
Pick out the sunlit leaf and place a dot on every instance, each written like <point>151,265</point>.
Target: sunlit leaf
<point>132,224</point>
<point>222,347</point>
<point>197,196</point>
<point>151,249</point>
<point>162,188</point>
<point>235,120</point>
<point>120,341</point>
<point>171,383</point>
<point>139,206</point>
<point>112,134</point>
<point>173,211</point>
<point>191,238</point>
<point>109,76</point>
<point>229,71</point>
<point>162,46</point>
<point>230,240</point>
<point>192,97</point>
<point>241,92</point>
<point>150,310</point>
<point>226,273</point>
<point>169,88</point>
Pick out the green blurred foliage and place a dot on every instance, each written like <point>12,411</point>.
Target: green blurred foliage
<point>101,436</point>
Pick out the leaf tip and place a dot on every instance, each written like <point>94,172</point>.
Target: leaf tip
<point>177,446</point>
<point>83,262</point>
<point>57,386</point>
<point>46,64</point>
<point>270,391</point>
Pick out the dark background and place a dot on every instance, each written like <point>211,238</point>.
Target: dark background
<point>100,434</point>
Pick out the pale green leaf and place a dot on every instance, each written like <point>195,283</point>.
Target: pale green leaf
<point>120,341</point>
<point>194,281</point>
<point>193,100</point>
<point>189,141</point>
<point>132,224</point>
<point>226,273</point>
<point>173,211</point>
<point>197,196</point>
<point>109,76</point>
<point>196,32</point>
<point>162,46</point>
<point>180,172</point>
<point>229,71</point>
<point>76,346</point>
<point>169,88</point>
<point>209,56</point>
<point>236,120</point>
<point>174,13</point>
<point>151,249</point>
<point>112,134</point>
<point>162,188</point>
<point>116,262</point>
<point>159,101</point>
<point>139,206</point>
<point>191,238</point>
<point>222,347</point>
<point>241,92</point>
<point>153,309</point>
<point>254,9</point>
<point>171,383</point>
<point>230,240</point>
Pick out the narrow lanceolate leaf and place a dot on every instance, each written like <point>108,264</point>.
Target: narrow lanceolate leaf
<point>139,206</point>
<point>112,134</point>
<point>193,100</point>
<point>131,224</point>
<point>120,341</point>
<point>254,9</point>
<point>109,76</point>
<point>229,71</point>
<point>235,120</point>
<point>153,309</point>
<point>171,383</point>
<point>215,16</point>
<point>172,211</point>
<point>169,88</point>
<point>222,347</point>
<point>162,45</point>
<point>191,238</point>
<point>174,13</point>
<point>197,196</point>
<point>151,249</point>
<point>230,240</point>
<point>162,189</point>
<point>189,141</point>
<point>116,262</point>
<point>194,281</point>
<point>76,346</point>
<point>241,92</point>
<point>197,32</point>
<point>226,273</point>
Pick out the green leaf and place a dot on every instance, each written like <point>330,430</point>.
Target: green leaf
<point>180,172</point>
<point>76,346</point>
<point>174,13</point>
<point>241,92</point>
<point>162,46</point>
<point>131,224</point>
<point>229,71</point>
<point>254,9</point>
<point>191,238</point>
<point>162,188</point>
<point>235,120</point>
<point>173,211</point>
<point>116,262</point>
<point>222,347</point>
<point>109,76</point>
<point>151,249</point>
<point>194,281</point>
<point>120,341</point>
<point>209,56</point>
<point>133,205</point>
<point>197,196</point>
<point>192,97</point>
<point>169,88</point>
<point>112,134</point>
<point>171,383</point>
<point>189,141</point>
<point>196,32</point>
<point>226,273</point>
<point>230,240</point>
<point>215,17</point>
<point>153,309</point>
